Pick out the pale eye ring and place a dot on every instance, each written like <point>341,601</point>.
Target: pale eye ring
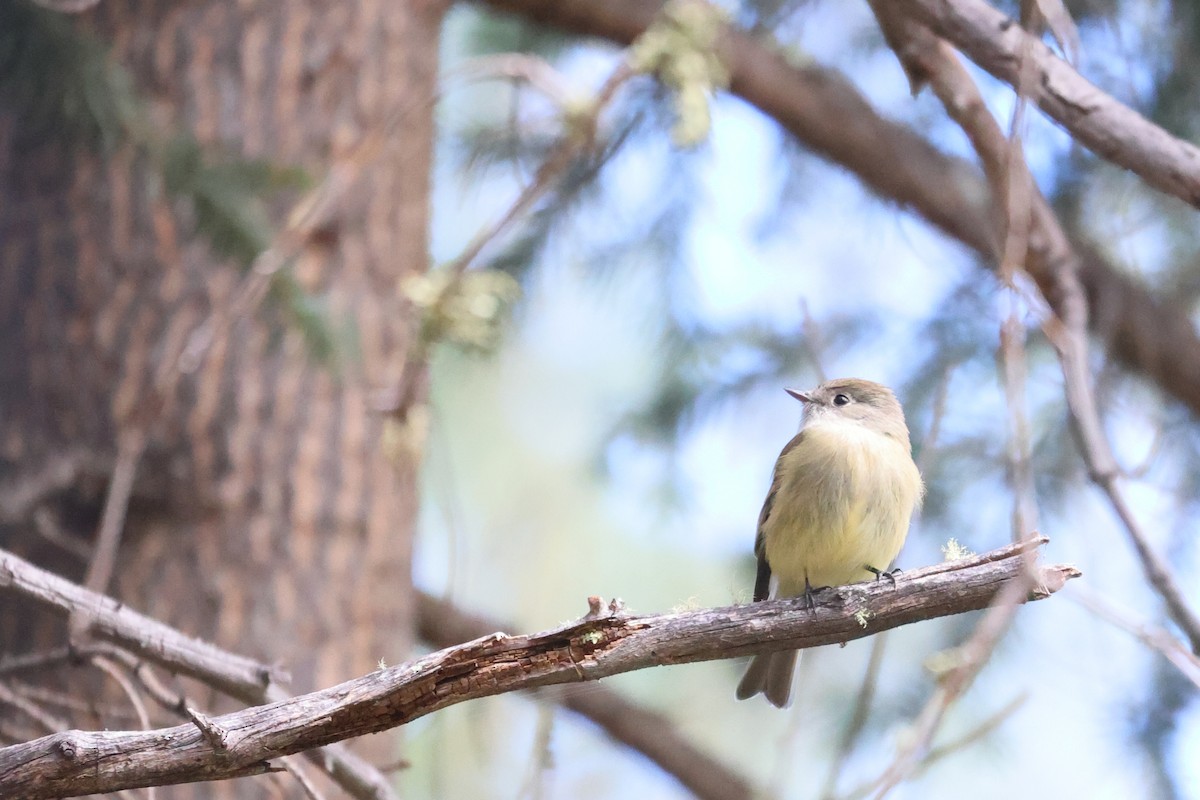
<point>841,399</point>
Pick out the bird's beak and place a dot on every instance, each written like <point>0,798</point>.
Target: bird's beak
<point>801,396</point>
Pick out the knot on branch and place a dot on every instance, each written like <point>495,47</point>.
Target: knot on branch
<point>67,746</point>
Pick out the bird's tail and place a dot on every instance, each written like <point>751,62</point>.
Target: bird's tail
<point>771,675</point>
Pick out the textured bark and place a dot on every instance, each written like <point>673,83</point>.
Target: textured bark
<point>597,646</point>
<point>652,734</point>
<point>266,515</point>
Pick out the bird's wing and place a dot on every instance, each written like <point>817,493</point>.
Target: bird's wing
<point>762,582</point>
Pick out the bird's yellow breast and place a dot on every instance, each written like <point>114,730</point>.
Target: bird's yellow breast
<point>845,499</point>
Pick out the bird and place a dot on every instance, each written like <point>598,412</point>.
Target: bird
<point>838,511</point>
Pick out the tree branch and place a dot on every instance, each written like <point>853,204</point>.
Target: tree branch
<point>442,624</point>
<point>112,621</point>
<point>1054,265</point>
<point>237,676</point>
<point>76,762</point>
<point>818,106</point>
<point>1094,118</point>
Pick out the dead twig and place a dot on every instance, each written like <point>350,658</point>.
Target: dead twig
<point>858,718</point>
<point>953,682</point>
<point>597,648</point>
<point>237,676</point>
<point>1094,118</point>
<point>1152,636</point>
<point>1058,272</point>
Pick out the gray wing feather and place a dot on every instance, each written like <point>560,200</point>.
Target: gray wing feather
<point>762,581</point>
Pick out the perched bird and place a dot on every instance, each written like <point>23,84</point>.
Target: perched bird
<point>843,494</point>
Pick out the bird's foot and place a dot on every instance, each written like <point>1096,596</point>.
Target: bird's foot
<point>890,574</point>
<point>810,594</point>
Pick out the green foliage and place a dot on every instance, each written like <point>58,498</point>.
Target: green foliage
<point>59,82</point>
<point>228,197</point>
<point>506,33</point>
<point>327,341</point>
<point>575,193</point>
<point>706,368</point>
<point>1174,100</point>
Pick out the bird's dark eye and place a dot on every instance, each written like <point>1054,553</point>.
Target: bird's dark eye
<point>841,399</point>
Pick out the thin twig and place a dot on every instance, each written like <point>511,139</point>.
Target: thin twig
<point>788,740</point>
<point>983,729</point>
<point>130,445</point>
<point>575,141</point>
<point>1150,635</point>
<point>295,767</point>
<point>67,702</point>
<point>970,658</point>
<point>1020,466</point>
<point>45,719</point>
<point>110,669</point>
<point>540,758</point>
<point>68,6</point>
<point>47,527</point>
<point>814,343</point>
<point>1060,283</point>
<point>1094,118</point>
<point>937,413</point>
<point>11,664</point>
<point>858,718</point>
<point>531,69</point>
<point>1017,192</point>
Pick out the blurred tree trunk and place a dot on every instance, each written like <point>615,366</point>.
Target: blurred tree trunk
<point>266,514</point>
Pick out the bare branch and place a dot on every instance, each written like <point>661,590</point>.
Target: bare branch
<point>245,679</point>
<point>953,682</point>
<point>858,718</point>
<point>30,709</point>
<point>1095,119</point>
<point>1052,262</point>
<point>1152,636</point>
<point>130,445</point>
<point>818,106</point>
<point>111,621</point>
<point>936,754</point>
<point>76,762</point>
<point>442,624</point>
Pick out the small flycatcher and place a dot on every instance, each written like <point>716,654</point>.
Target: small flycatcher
<point>842,498</point>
